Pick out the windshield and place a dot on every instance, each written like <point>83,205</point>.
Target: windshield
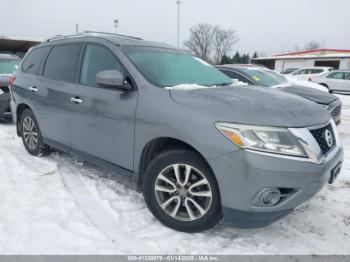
<point>265,78</point>
<point>167,68</point>
<point>8,66</point>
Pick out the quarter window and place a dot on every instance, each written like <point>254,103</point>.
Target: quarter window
<point>62,62</point>
<point>96,59</point>
<point>33,61</point>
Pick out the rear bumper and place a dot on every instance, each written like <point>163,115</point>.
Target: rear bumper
<point>5,109</point>
<point>243,175</point>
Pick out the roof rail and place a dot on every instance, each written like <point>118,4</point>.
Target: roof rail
<point>108,33</point>
<point>86,33</point>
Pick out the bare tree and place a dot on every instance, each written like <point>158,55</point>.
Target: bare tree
<point>223,42</point>
<point>312,45</point>
<point>201,40</point>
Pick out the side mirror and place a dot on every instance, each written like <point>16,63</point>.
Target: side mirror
<point>112,79</point>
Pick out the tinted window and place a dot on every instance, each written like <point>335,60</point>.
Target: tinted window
<point>97,59</point>
<point>315,71</point>
<point>347,76</point>
<point>166,68</point>
<point>61,64</point>
<point>33,61</point>
<point>234,75</point>
<point>336,75</point>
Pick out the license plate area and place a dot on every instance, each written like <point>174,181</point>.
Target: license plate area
<point>334,173</point>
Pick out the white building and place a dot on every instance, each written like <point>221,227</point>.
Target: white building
<point>338,59</point>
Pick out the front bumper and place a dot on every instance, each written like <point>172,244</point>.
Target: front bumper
<point>241,175</point>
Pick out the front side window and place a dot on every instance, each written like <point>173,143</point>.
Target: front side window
<point>8,66</point>
<point>61,64</point>
<point>35,58</point>
<point>96,59</point>
<point>347,76</point>
<point>167,68</point>
<point>336,75</point>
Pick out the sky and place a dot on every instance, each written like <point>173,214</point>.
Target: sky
<point>267,26</point>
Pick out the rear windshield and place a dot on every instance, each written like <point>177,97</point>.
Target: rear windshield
<point>8,66</point>
<point>167,68</point>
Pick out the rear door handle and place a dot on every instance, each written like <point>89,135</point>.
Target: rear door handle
<point>33,89</point>
<point>76,100</point>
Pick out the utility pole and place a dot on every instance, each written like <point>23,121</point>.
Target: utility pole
<point>76,28</point>
<point>116,22</point>
<point>178,2</point>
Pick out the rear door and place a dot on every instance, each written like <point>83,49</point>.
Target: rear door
<point>335,81</point>
<point>58,81</point>
<point>103,119</point>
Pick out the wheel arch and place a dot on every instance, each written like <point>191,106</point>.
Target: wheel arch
<point>19,111</point>
<point>155,147</point>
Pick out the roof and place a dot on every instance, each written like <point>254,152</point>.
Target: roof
<point>9,57</point>
<point>122,40</point>
<point>16,45</point>
<point>318,53</point>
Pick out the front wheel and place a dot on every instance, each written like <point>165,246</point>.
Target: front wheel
<point>181,191</point>
<point>31,134</point>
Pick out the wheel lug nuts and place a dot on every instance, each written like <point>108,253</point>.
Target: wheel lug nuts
<point>176,192</point>
<point>178,185</point>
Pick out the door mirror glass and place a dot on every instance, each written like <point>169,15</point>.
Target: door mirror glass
<point>110,78</point>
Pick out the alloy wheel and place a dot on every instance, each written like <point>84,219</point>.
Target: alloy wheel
<point>183,192</point>
<point>30,133</point>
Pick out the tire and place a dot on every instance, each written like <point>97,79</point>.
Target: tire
<point>180,218</point>
<point>31,134</point>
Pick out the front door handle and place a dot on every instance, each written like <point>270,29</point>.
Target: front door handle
<point>33,89</point>
<point>76,100</point>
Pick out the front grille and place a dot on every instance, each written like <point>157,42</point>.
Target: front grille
<point>336,111</point>
<point>320,136</point>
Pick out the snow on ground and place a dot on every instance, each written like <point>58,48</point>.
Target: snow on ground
<point>56,205</point>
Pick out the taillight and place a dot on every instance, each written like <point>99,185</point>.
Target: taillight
<point>11,80</point>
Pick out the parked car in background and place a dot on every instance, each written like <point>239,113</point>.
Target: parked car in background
<point>335,81</point>
<point>308,72</point>
<point>289,71</point>
<point>174,127</point>
<point>8,64</point>
<point>272,79</point>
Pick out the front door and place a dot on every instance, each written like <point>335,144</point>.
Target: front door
<point>102,121</point>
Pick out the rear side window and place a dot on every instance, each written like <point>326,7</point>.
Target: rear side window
<point>62,62</point>
<point>347,76</point>
<point>316,71</point>
<point>33,61</point>
<point>96,59</point>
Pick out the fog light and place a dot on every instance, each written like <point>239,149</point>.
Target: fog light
<point>270,197</point>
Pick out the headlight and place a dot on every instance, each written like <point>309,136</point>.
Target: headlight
<point>1,92</point>
<point>266,139</point>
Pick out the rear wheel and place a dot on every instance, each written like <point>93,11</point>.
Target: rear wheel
<point>181,191</point>
<point>31,134</point>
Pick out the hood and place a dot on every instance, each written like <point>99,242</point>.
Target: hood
<point>311,94</point>
<point>4,80</point>
<point>253,106</point>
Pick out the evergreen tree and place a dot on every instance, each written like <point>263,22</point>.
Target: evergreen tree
<point>255,55</point>
<point>225,60</point>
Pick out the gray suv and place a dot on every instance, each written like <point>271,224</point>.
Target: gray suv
<point>246,154</point>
